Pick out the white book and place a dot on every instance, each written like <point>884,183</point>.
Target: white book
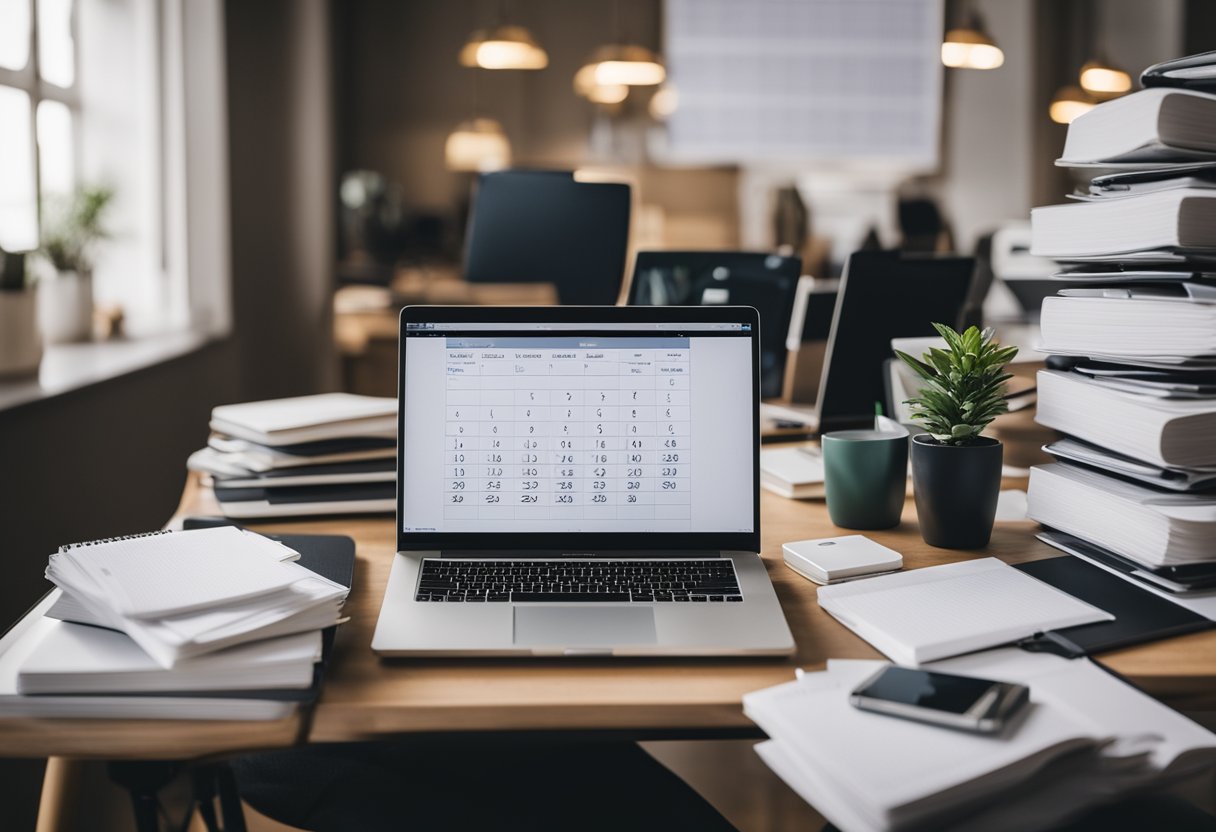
<point>1128,326</point>
<point>307,418</point>
<point>1135,521</point>
<point>1171,433</point>
<point>792,472</point>
<point>20,642</point>
<point>1184,218</point>
<point>1159,124</point>
<point>239,458</point>
<point>158,575</point>
<point>868,771</point>
<point>76,658</point>
<point>939,611</point>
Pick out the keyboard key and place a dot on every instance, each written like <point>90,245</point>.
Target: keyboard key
<point>734,597</point>
<point>562,597</point>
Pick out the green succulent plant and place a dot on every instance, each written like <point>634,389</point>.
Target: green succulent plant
<point>73,225</point>
<point>965,384</point>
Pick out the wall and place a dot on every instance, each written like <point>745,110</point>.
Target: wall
<point>283,192</point>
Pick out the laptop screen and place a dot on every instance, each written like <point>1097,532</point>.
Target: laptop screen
<point>605,428</point>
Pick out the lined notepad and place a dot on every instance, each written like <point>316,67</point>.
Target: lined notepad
<point>940,611</point>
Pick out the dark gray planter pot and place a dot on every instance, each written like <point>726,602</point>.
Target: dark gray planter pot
<point>956,489</point>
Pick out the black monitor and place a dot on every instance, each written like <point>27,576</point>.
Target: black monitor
<point>883,295</point>
<point>532,226</point>
<point>720,278</point>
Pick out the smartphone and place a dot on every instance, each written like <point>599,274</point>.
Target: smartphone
<point>964,702</point>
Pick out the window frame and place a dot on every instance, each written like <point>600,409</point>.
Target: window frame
<point>29,80</point>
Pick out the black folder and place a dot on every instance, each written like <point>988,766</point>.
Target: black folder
<point>1140,615</point>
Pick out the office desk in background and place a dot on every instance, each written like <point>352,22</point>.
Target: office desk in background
<point>365,319</point>
<point>366,698</point>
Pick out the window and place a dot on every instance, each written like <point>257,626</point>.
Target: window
<point>128,94</point>
<point>39,113</point>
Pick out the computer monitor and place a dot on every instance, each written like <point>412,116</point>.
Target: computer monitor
<point>883,295</point>
<point>718,278</point>
<point>545,226</point>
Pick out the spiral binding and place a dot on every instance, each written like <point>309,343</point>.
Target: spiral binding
<point>69,546</point>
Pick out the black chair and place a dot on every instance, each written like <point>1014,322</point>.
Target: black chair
<point>543,226</point>
<point>738,278</point>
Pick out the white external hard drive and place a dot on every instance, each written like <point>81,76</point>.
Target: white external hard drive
<point>830,560</point>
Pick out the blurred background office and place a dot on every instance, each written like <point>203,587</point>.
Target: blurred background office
<point>225,201</point>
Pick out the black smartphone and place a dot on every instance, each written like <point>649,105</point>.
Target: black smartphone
<point>964,702</point>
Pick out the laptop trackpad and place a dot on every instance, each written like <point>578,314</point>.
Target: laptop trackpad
<point>584,626</point>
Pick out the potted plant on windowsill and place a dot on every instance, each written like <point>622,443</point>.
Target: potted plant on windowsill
<point>956,472</point>
<point>70,233</point>
<point>20,341</point>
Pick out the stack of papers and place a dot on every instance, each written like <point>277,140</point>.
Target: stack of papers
<point>186,594</point>
<point>328,454</point>
<point>216,623</point>
<point>1086,738</point>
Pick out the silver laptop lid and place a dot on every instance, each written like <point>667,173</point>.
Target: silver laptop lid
<point>578,428</point>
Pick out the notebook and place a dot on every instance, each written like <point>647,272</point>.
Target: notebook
<point>153,576</point>
<point>941,611</point>
<point>307,418</point>
<point>795,473</point>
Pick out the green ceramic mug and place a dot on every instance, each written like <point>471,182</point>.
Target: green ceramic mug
<point>865,477</point>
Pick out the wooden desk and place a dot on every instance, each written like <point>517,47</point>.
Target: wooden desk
<point>365,697</point>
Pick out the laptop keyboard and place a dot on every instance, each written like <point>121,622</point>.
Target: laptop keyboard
<point>711,580</point>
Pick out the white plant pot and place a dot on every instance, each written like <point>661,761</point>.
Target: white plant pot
<point>65,311</point>
<point>20,340</point>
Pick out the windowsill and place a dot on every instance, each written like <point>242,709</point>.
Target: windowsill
<point>68,367</point>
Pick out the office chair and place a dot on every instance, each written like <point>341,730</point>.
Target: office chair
<point>542,226</point>
<point>738,278</point>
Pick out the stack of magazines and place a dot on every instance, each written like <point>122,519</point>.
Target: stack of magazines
<point>215,623</point>
<point>1132,380</point>
<point>313,455</point>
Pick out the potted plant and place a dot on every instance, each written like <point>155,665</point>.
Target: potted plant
<point>956,472</point>
<point>71,230</point>
<point>20,341</point>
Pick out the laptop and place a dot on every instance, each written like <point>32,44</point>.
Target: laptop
<point>767,282</point>
<point>882,295</point>
<point>577,481</point>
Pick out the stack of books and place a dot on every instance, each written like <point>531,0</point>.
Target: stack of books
<point>1132,380</point>
<point>215,623</point>
<point>328,454</point>
<point>1085,739</point>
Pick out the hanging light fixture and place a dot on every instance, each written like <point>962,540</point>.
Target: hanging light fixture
<point>970,46</point>
<point>479,144</point>
<point>613,69</point>
<point>1103,78</point>
<point>586,86</point>
<point>627,65</point>
<point>503,47</point>
<point>1070,102</point>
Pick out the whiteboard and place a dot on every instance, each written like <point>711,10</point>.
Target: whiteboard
<point>763,81</point>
